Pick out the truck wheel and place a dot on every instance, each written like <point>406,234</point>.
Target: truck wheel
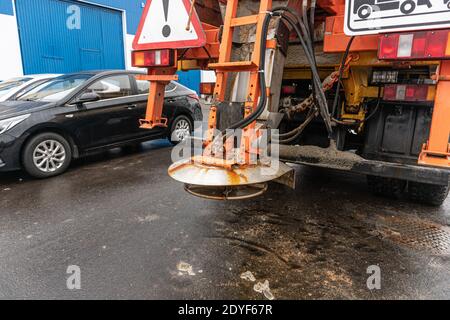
<point>386,187</point>
<point>430,194</point>
<point>365,11</point>
<point>407,7</point>
<point>46,155</point>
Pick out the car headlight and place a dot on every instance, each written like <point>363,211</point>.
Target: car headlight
<point>10,123</point>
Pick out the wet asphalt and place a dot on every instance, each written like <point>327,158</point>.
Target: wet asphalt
<point>128,226</point>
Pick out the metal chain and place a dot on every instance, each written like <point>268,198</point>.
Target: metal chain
<point>327,85</point>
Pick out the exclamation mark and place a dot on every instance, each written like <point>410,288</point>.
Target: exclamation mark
<point>166,29</point>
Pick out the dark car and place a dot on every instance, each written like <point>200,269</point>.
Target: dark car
<point>77,114</point>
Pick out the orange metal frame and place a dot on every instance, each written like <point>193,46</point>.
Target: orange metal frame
<point>437,151</point>
<point>158,78</point>
<point>224,66</point>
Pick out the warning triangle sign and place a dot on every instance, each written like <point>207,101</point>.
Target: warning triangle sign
<point>163,26</point>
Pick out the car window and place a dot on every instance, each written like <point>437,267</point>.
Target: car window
<point>9,85</point>
<point>56,89</point>
<point>171,86</point>
<point>143,86</point>
<point>112,87</point>
<point>28,88</point>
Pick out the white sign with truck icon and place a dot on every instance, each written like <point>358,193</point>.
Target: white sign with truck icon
<point>379,16</point>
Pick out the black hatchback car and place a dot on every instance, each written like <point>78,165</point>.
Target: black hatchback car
<point>77,114</point>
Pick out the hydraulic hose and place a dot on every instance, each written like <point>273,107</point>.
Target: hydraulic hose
<point>341,74</point>
<point>309,52</point>
<point>262,82</point>
<point>307,45</point>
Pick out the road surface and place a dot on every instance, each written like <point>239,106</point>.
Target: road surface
<point>134,233</point>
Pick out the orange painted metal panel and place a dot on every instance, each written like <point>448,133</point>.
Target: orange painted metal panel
<point>336,40</point>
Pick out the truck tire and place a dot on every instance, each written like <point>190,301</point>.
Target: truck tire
<point>46,155</point>
<point>430,194</point>
<point>386,187</point>
<point>408,7</point>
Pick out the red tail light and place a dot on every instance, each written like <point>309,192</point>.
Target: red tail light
<point>153,58</point>
<point>288,90</point>
<point>409,93</point>
<point>415,45</point>
<point>207,88</point>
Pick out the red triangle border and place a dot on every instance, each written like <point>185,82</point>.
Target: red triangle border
<point>200,42</point>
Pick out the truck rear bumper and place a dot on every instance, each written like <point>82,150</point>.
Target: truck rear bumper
<point>347,161</point>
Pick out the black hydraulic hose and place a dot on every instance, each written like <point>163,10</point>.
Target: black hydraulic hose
<point>308,52</point>
<point>298,131</point>
<point>341,74</point>
<point>312,15</point>
<point>294,131</point>
<point>302,26</point>
<point>262,81</point>
<point>374,112</point>
<point>305,19</point>
<point>312,35</point>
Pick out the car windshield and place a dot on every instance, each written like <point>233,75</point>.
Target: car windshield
<point>56,89</point>
<point>9,85</point>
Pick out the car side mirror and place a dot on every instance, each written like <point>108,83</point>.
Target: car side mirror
<point>87,97</point>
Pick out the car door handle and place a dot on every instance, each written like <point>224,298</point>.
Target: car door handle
<point>131,106</point>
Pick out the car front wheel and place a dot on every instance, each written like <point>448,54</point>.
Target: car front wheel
<point>181,129</point>
<point>46,155</point>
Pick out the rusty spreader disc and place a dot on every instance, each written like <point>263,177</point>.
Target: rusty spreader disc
<point>227,193</point>
<point>200,174</point>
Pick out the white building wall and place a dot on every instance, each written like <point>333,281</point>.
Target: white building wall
<point>208,76</point>
<point>128,48</point>
<point>10,55</point>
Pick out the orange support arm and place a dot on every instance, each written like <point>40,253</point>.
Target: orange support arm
<point>158,78</point>
<point>437,151</point>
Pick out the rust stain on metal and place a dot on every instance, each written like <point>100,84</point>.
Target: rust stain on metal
<point>179,167</point>
<point>235,179</point>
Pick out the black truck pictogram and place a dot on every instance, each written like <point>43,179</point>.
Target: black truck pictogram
<point>364,8</point>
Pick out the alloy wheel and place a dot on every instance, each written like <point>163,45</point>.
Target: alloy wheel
<point>49,156</point>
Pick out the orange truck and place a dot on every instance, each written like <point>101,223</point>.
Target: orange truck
<point>359,86</point>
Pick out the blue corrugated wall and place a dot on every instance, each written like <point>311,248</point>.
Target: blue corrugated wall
<point>190,79</point>
<point>48,46</point>
<point>133,9</point>
<point>6,7</point>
